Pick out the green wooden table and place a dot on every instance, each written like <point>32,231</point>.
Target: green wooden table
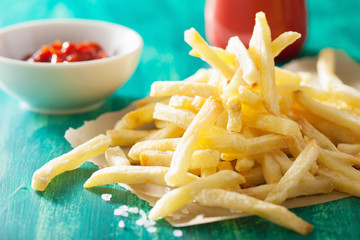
<point>66,210</point>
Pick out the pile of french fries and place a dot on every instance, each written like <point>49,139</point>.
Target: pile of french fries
<point>243,134</point>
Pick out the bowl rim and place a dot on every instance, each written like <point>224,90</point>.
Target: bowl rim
<point>42,22</point>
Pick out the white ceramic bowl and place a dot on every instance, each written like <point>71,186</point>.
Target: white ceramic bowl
<point>65,88</point>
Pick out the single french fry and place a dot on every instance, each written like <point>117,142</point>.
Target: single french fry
<point>180,117</point>
<point>168,144</point>
<point>333,115</point>
<point>240,202</point>
<point>273,124</point>
<point>126,137</point>
<point>248,97</point>
<point>270,168</point>
<point>147,100</point>
<point>267,143</point>
<point>285,163</point>
<point>170,131</point>
<point>283,76</point>
<point>115,156</point>
<point>285,104</point>
<point>244,163</point>
<point>333,131</point>
<point>224,55</point>
<point>234,114</point>
<point>312,132</point>
<point>337,165</point>
<point>295,173</point>
<point>342,183</point>
<point>178,197</point>
<point>343,157</point>
<point>170,88</point>
<point>349,148</point>
<point>69,161</point>
<point>260,49</point>
<point>205,118</point>
<point>193,104</point>
<point>193,38</point>
<point>247,65</point>
<point>281,42</point>
<point>206,158</point>
<point>136,118</point>
<point>253,177</point>
<point>319,185</point>
<point>132,175</point>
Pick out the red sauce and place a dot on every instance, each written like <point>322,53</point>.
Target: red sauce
<point>59,52</point>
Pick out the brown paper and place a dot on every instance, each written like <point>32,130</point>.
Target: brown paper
<point>193,213</point>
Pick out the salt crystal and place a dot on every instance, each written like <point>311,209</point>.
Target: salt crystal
<point>151,229</point>
<point>106,196</point>
<point>124,214</point>
<point>121,224</point>
<point>177,233</point>
<point>139,222</point>
<point>124,207</point>
<point>118,212</point>
<point>148,223</point>
<point>134,210</point>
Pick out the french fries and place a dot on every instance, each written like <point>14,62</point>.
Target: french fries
<point>233,135</point>
<point>69,161</point>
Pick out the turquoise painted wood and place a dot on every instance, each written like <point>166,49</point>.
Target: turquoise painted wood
<point>66,210</point>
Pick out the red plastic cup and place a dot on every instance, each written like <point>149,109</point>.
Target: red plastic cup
<point>228,18</point>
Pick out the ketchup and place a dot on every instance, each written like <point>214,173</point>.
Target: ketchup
<point>227,18</point>
<point>59,52</point>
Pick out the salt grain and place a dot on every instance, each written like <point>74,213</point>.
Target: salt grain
<point>177,233</point>
<point>140,222</point>
<point>185,211</point>
<point>124,214</point>
<point>151,229</point>
<point>142,214</point>
<point>106,196</point>
<point>134,210</point>
<point>121,224</point>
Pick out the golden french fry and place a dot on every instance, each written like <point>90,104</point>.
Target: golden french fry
<point>115,156</point>
<point>170,88</point>
<point>132,175</point>
<point>234,114</point>
<point>333,115</point>
<point>253,177</point>
<point>285,103</point>
<point>349,148</point>
<point>260,49</point>
<point>69,161</point>
<point>341,182</point>
<point>295,173</point>
<point>207,158</point>
<point>247,65</point>
<point>244,163</point>
<point>270,168</point>
<point>319,185</point>
<point>205,118</point>
<point>273,124</point>
<point>136,118</point>
<point>224,55</point>
<point>168,144</point>
<point>193,38</point>
<point>267,143</point>
<point>126,137</point>
<point>343,157</point>
<point>247,96</point>
<point>240,202</point>
<point>178,197</point>
<point>283,76</point>
<point>185,102</point>
<point>180,117</point>
<point>281,42</point>
<point>170,131</point>
<point>337,165</point>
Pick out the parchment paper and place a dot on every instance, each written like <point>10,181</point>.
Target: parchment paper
<point>193,213</point>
